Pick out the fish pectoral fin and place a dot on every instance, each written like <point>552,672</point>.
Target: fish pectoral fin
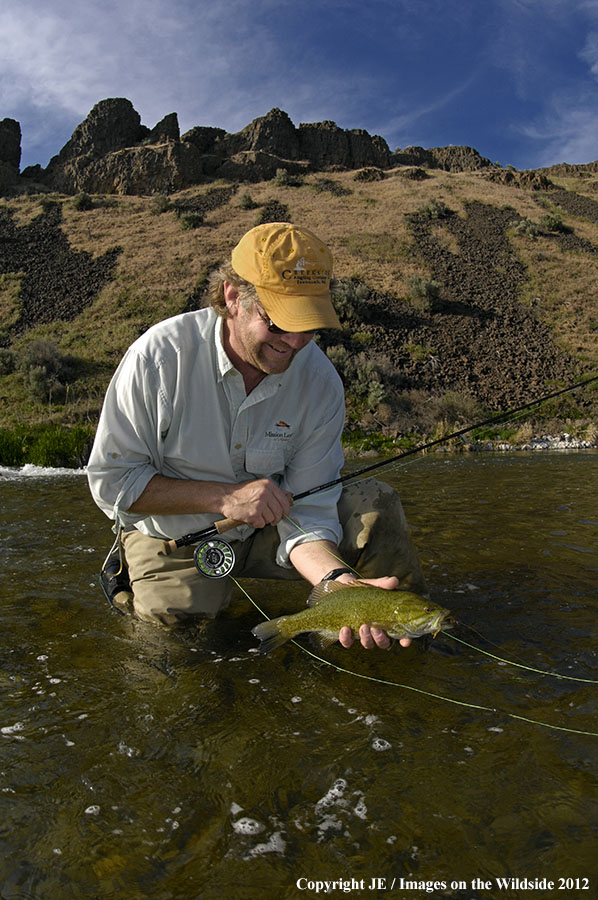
<point>321,640</point>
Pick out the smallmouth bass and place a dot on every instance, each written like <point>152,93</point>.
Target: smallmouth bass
<point>332,605</point>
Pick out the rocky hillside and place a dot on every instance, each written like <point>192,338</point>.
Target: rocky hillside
<point>112,152</point>
<point>463,287</point>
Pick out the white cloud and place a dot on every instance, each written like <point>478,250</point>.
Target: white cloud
<point>568,131</point>
<point>589,53</point>
<point>212,63</point>
<point>401,127</point>
<point>224,63</point>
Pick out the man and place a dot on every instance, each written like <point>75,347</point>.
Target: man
<point>228,412</point>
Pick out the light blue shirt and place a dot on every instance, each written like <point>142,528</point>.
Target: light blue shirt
<point>176,406</point>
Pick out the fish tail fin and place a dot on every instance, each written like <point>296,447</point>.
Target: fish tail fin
<point>270,634</point>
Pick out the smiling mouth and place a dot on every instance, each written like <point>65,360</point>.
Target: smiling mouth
<point>281,352</point>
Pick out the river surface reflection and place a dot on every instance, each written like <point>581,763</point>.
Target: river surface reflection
<point>138,763</point>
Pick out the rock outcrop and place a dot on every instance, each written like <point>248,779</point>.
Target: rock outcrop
<point>450,159</point>
<point>111,125</point>
<point>112,152</point>
<point>155,169</point>
<point>531,180</point>
<point>10,152</point>
<point>273,133</point>
<point>325,144</point>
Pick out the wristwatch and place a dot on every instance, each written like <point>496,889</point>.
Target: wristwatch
<point>332,576</point>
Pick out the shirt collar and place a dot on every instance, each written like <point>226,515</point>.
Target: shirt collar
<point>223,363</point>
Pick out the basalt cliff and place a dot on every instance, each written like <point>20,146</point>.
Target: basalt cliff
<point>112,152</point>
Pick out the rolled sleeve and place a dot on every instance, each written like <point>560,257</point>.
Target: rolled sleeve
<point>126,456</point>
<point>317,461</point>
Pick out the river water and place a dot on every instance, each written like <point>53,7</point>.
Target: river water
<point>139,763</point>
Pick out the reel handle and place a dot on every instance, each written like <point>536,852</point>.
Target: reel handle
<point>218,527</point>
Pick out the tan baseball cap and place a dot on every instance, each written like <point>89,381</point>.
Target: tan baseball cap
<point>291,270</point>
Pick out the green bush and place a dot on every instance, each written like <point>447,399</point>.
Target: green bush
<point>191,220</point>
<point>360,375</point>
<point>526,228</point>
<point>82,202</point>
<point>58,446</point>
<point>48,204</point>
<point>12,450</point>
<point>333,187</point>
<point>553,222</point>
<point>350,297</point>
<point>160,204</point>
<point>273,211</point>
<point>46,445</point>
<point>370,173</point>
<point>247,203</point>
<point>435,209</point>
<point>283,178</point>
<point>45,370</point>
<point>424,293</point>
<point>8,361</point>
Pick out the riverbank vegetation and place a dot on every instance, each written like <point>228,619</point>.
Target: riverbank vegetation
<point>459,297</point>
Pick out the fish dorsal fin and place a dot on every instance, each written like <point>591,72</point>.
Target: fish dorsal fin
<point>328,587</point>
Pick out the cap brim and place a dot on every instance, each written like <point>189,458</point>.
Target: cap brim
<point>299,313</point>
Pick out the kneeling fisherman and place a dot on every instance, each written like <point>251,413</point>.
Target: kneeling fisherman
<point>229,411</point>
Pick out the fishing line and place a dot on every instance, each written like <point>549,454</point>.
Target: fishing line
<point>520,665</point>
<point>441,440</point>
<point>466,644</point>
<point>410,687</point>
<point>218,528</point>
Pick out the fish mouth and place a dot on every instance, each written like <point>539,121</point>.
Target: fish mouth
<point>442,623</point>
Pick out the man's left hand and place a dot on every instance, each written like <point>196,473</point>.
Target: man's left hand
<point>371,636</point>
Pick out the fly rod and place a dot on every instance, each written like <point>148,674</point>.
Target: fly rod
<point>216,555</point>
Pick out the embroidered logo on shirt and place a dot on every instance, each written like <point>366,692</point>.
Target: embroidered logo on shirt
<point>282,433</point>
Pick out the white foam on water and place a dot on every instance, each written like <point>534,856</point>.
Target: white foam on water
<point>332,796</point>
<point>125,750</point>
<point>360,809</point>
<point>274,844</point>
<point>11,473</point>
<point>248,826</point>
<point>380,744</point>
<point>13,729</point>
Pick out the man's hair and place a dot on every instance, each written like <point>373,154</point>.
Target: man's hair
<point>216,279</point>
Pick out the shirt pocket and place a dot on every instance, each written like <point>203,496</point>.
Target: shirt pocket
<point>264,463</point>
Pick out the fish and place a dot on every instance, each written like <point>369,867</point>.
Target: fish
<point>332,605</point>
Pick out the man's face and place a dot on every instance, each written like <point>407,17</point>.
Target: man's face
<point>258,347</point>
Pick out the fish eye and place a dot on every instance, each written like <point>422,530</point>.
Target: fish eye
<point>428,609</point>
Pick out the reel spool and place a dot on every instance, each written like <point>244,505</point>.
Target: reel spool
<point>214,558</point>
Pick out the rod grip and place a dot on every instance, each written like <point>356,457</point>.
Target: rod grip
<point>226,525</point>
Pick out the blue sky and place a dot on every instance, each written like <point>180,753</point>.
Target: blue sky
<point>516,79</point>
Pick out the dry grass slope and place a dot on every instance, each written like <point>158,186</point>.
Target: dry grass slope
<point>397,241</point>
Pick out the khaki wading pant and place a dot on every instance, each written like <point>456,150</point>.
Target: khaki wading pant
<point>168,588</point>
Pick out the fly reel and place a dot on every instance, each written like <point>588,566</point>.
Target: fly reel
<point>214,558</point>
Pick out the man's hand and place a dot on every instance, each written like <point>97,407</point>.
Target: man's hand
<point>258,503</point>
<point>371,637</point>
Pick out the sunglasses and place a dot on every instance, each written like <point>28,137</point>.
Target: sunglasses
<point>274,329</point>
